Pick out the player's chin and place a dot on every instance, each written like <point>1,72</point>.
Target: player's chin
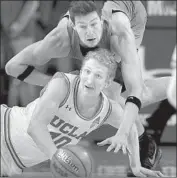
<point>92,44</point>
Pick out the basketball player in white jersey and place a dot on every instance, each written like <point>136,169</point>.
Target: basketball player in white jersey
<point>69,108</point>
<point>120,30</point>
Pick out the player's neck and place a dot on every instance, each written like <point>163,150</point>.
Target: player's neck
<point>87,103</point>
<point>89,108</point>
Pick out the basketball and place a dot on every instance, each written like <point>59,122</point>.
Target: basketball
<point>71,160</point>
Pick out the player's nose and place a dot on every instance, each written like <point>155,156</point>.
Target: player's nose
<point>90,32</point>
<point>90,79</point>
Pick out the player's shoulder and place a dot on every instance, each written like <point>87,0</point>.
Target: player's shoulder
<point>63,27</point>
<point>125,11</point>
<point>116,108</point>
<point>57,86</point>
<point>62,80</point>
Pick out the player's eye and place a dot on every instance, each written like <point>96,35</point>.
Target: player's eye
<point>93,24</point>
<point>83,26</point>
<point>98,76</point>
<point>87,71</point>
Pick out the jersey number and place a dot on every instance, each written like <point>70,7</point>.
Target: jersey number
<point>60,140</point>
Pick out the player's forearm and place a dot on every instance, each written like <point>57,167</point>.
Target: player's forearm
<point>131,110</point>
<point>34,78</point>
<point>130,114</point>
<point>41,137</point>
<point>19,63</point>
<point>37,129</point>
<point>133,81</point>
<point>37,78</point>
<point>133,145</point>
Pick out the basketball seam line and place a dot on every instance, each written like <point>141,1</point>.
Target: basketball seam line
<point>67,169</point>
<point>79,160</point>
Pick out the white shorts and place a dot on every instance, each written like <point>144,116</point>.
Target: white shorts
<point>8,165</point>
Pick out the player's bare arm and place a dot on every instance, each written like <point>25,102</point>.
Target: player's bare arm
<point>44,112</point>
<point>54,45</point>
<point>128,143</point>
<point>123,42</point>
<point>134,157</point>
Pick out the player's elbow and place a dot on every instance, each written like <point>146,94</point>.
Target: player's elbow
<point>10,67</point>
<point>14,68</point>
<point>32,128</point>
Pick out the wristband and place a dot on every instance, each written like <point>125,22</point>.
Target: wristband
<point>134,100</point>
<point>26,73</point>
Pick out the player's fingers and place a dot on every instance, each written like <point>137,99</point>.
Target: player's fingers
<point>129,152</point>
<point>124,150</point>
<point>149,172</point>
<point>160,174</point>
<point>111,147</point>
<point>104,142</point>
<point>141,175</point>
<point>117,149</point>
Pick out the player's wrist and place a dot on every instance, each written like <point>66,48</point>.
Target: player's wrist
<point>123,134</point>
<point>135,100</point>
<point>52,153</point>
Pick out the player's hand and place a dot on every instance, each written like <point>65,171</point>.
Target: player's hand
<point>116,143</point>
<point>143,172</point>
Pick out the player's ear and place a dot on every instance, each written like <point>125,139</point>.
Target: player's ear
<point>80,72</point>
<point>101,21</point>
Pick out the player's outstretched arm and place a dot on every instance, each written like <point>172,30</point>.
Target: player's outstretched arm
<point>44,112</point>
<point>124,41</point>
<point>134,157</point>
<point>127,143</point>
<point>54,45</point>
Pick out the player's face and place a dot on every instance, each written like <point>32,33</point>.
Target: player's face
<point>89,29</point>
<point>94,77</point>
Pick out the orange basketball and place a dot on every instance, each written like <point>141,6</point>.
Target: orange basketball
<point>71,160</point>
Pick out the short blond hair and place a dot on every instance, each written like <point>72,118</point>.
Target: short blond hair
<point>105,57</point>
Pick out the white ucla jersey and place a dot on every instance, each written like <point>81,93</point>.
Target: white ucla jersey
<point>67,127</point>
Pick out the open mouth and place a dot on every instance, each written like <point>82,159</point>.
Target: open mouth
<point>91,39</point>
<point>89,88</point>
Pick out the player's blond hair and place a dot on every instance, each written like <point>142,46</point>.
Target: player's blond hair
<point>104,57</point>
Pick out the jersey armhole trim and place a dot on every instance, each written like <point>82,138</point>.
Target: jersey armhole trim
<point>68,92</point>
<point>107,115</point>
<point>115,11</point>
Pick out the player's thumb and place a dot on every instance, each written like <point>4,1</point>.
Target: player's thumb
<point>103,143</point>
